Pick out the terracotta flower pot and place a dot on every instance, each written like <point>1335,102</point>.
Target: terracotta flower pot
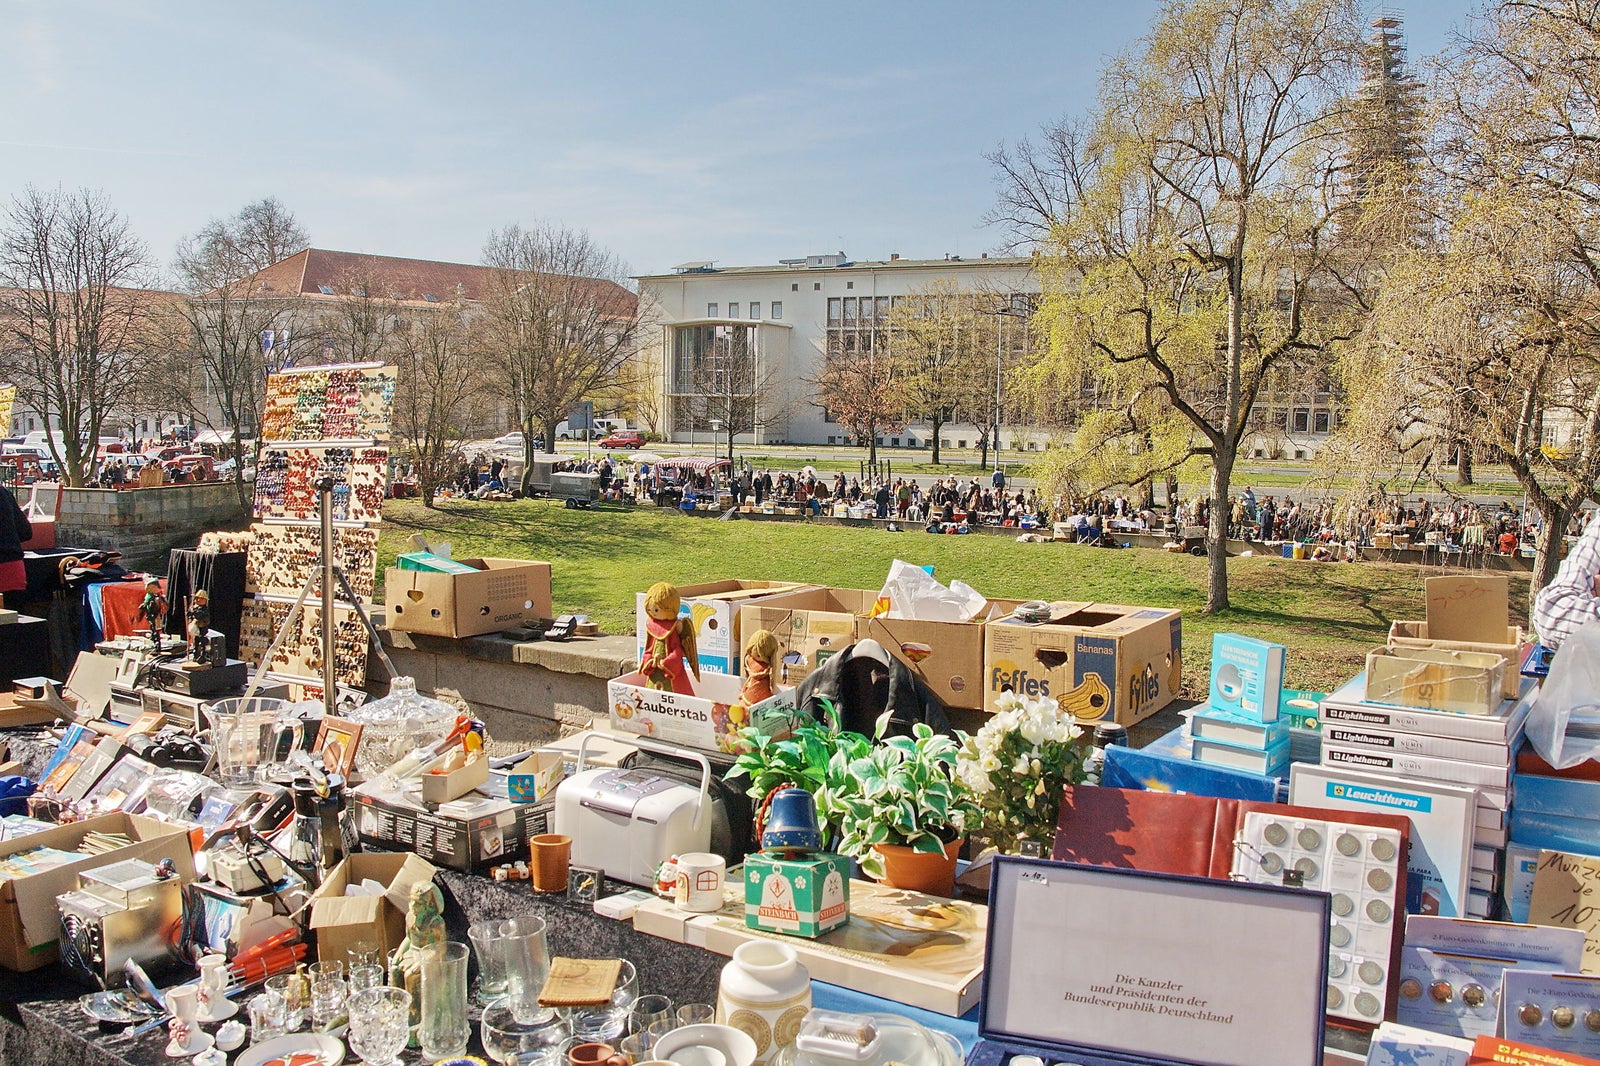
<point>920,871</point>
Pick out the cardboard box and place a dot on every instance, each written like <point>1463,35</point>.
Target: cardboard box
<point>714,608</point>
<point>1099,660</point>
<point>29,922</point>
<point>442,788</point>
<point>709,721</point>
<point>531,780</point>
<point>811,625</point>
<point>473,833</point>
<point>1512,644</point>
<point>500,594</point>
<point>1461,682</point>
<point>341,921</point>
<point>803,897</point>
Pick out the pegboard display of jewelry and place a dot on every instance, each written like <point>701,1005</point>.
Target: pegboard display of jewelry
<point>322,427</point>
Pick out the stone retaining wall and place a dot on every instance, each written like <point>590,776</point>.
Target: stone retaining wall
<point>144,523</point>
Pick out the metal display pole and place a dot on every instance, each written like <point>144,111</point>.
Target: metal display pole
<point>330,692</point>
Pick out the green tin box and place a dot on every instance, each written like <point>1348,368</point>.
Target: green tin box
<point>805,897</point>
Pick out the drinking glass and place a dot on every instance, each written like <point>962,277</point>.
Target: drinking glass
<point>637,1047</point>
<point>696,1014</point>
<point>267,1011</point>
<point>364,976</point>
<point>379,1025</point>
<point>287,987</point>
<point>517,1024</point>
<point>649,1009</point>
<point>656,1030</point>
<point>444,1029</point>
<point>605,1024</point>
<point>363,953</point>
<point>513,957</point>
<point>327,992</point>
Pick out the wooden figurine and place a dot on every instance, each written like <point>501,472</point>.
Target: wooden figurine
<point>669,648</point>
<point>153,609</point>
<point>197,622</point>
<point>760,658</point>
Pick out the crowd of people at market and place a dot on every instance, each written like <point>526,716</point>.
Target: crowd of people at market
<point>944,504</point>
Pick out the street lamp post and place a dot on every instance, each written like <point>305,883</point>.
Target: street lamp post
<point>1013,307</point>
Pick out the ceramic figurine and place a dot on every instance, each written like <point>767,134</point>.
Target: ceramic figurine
<point>153,609</point>
<point>669,647</point>
<point>424,930</point>
<point>760,657</point>
<point>197,622</point>
<point>667,877</point>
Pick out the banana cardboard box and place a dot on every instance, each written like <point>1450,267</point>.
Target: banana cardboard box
<point>713,607</point>
<point>1100,660</point>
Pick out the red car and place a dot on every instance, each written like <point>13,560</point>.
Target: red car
<point>623,438</point>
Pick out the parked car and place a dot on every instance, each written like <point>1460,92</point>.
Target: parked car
<point>623,438</point>
<point>509,440</point>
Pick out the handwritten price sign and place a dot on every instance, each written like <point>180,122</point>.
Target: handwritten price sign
<point>1566,892</point>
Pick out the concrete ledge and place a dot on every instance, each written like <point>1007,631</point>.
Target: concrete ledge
<point>525,691</point>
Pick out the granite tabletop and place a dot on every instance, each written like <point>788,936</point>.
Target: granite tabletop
<point>41,1023</point>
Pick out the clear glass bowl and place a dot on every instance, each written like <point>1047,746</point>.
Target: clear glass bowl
<point>395,725</point>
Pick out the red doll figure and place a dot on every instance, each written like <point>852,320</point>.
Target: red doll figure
<point>760,656</point>
<point>669,644</point>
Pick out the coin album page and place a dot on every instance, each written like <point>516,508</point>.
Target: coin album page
<point>1361,867</point>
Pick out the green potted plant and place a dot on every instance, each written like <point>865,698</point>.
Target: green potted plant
<point>803,759</point>
<point>901,810</point>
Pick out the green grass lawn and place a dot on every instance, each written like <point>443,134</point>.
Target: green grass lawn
<point>1329,614</point>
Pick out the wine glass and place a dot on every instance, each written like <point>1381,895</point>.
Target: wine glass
<point>517,1024</point>
<point>380,1025</point>
<point>649,1009</point>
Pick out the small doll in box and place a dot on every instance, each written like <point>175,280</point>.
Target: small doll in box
<point>669,647</point>
<point>760,657</point>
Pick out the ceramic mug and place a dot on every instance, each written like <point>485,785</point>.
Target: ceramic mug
<point>700,878</point>
<point>595,1054</point>
<point>699,1055</point>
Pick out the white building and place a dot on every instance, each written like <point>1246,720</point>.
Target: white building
<point>789,315</point>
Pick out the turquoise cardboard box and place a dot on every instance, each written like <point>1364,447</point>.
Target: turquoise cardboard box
<point>805,897</point>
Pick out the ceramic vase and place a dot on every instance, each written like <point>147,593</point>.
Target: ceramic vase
<point>765,992</point>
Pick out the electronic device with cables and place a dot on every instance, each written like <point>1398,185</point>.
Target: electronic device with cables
<point>127,910</point>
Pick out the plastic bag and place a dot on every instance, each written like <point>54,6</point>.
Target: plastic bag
<point>1564,724</point>
<point>912,592</point>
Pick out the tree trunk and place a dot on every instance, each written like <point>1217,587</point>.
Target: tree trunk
<point>1463,462</point>
<point>1553,518</point>
<point>983,444</point>
<point>427,496</point>
<point>936,427</point>
<point>1217,535</point>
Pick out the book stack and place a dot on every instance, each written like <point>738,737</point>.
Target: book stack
<point>1435,756</point>
<point>1240,727</point>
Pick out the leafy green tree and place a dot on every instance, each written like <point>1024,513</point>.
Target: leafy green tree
<point>1192,249</point>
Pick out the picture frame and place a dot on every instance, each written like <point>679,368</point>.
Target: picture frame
<point>583,884</point>
<point>128,668</point>
<point>337,739</point>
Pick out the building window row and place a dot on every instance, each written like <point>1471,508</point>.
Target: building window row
<point>775,310</point>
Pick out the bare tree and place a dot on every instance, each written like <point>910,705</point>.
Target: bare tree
<point>864,390</point>
<point>559,324</point>
<point>218,379</point>
<point>947,342</point>
<point>78,325</point>
<point>439,393</point>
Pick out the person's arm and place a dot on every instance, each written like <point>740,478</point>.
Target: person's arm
<point>1569,600</point>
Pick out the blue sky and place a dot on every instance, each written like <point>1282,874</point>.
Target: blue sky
<point>736,132</point>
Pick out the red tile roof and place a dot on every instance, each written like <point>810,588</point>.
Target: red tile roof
<point>308,272</point>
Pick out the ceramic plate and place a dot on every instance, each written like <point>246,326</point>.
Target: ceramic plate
<point>297,1049</point>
